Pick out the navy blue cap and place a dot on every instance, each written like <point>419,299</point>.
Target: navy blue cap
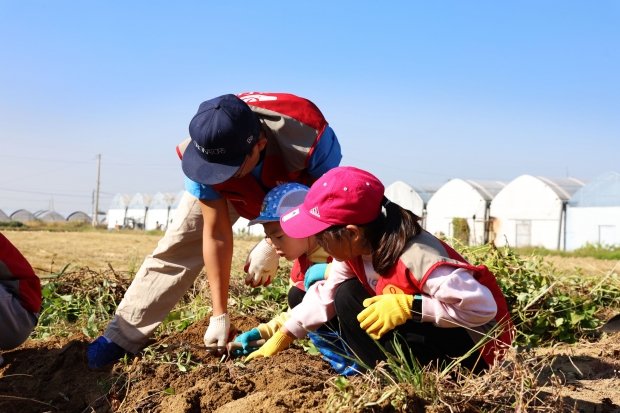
<point>223,132</point>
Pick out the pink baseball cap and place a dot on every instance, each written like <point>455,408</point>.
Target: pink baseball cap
<point>343,196</point>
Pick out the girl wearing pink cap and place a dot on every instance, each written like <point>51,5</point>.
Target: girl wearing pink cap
<point>390,276</point>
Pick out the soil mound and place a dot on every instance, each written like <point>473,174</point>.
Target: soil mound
<point>53,376</point>
<point>49,375</point>
<point>174,375</point>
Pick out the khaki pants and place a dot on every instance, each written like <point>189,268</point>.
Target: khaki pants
<point>163,279</point>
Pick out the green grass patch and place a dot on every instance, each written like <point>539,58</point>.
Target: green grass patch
<point>598,251</point>
<point>545,307</point>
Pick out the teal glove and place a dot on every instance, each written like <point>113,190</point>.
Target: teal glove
<point>315,273</point>
<point>245,339</point>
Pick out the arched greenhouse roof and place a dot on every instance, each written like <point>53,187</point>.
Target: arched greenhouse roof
<point>563,187</point>
<point>4,217</point>
<point>22,215</point>
<point>49,216</point>
<point>140,201</point>
<point>602,191</point>
<point>487,189</point>
<point>120,201</point>
<point>161,201</point>
<point>78,216</point>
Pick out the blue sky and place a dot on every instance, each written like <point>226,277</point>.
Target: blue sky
<point>416,91</point>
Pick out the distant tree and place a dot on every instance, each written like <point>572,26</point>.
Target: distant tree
<point>460,230</point>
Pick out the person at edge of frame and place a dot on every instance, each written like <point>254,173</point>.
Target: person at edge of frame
<point>20,297</point>
<point>389,276</point>
<point>239,148</point>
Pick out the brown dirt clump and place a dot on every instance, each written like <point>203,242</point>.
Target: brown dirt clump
<point>290,381</point>
<point>50,375</point>
<point>589,373</point>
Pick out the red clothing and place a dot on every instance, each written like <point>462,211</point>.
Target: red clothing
<point>421,257</point>
<point>298,272</point>
<point>18,277</point>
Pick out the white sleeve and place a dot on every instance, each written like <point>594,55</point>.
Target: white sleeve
<point>317,307</point>
<point>454,298</point>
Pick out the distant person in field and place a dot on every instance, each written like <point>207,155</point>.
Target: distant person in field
<point>389,276</point>
<point>240,147</point>
<point>311,266</point>
<point>20,297</point>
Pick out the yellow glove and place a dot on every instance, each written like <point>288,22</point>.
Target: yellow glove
<point>274,345</point>
<point>267,330</point>
<point>385,312</point>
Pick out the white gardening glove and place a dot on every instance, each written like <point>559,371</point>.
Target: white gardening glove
<point>261,265</point>
<point>217,333</point>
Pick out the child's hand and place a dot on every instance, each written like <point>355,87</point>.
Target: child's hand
<point>244,339</point>
<point>385,312</point>
<point>274,345</point>
<point>261,265</point>
<point>316,273</point>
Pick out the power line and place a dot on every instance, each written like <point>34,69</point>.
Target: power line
<point>51,193</point>
<point>42,159</point>
<point>151,165</point>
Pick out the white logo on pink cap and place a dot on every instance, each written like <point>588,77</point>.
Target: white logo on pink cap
<point>315,211</point>
<point>290,215</point>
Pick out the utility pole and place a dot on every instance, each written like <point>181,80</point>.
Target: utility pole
<point>96,212</point>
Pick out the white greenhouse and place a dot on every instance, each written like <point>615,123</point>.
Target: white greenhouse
<point>531,211</point>
<point>412,198</point>
<point>117,212</point>
<point>4,217</point>
<point>240,228</point>
<point>79,216</point>
<point>137,210</point>
<point>21,215</point>
<point>469,200</point>
<point>158,214</point>
<point>49,216</point>
<point>593,213</point>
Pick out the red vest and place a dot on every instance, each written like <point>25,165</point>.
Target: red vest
<point>293,126</point>
<point>18,277</point>
<point>298,272</point>
<point>421,256</point>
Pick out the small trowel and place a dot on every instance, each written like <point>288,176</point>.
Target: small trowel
<point>218,349</point>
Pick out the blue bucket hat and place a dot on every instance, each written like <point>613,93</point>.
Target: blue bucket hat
<point>222,134</point>
<point>279,201</point>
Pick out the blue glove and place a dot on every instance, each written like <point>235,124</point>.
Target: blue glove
<point>314,274</point>
<point>245,339</point>
<point>335,352</point>
<point>103,351</point>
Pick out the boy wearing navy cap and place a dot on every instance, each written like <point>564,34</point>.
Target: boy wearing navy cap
<point>240,147</point>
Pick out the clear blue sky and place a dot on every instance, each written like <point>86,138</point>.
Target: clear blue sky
<point>416,91</point>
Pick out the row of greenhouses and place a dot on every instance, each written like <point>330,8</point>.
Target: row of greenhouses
<point>44,215</point>
<point>142,211</point>
<point>554,213</point>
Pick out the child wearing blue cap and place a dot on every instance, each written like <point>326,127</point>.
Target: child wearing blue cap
<point>311,265</point>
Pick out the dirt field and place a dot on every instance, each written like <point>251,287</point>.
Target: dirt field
<point>52,375</point>
<point>125,251</point>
